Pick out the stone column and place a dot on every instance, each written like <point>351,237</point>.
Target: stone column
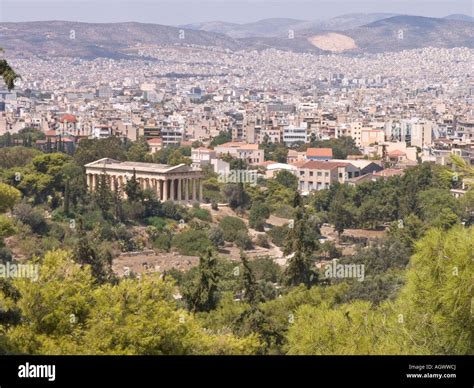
<point>165,190</point>
<point>200,191</point>
<point>186,190</point>
<point>172,189</point>
<point>160,189</point>
<point>194,189</point>
<point>152,184</point>
<point>179,189</point>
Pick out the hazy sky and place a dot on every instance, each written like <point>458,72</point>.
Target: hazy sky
<point>190,11</point>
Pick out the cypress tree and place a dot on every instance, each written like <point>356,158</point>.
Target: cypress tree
<point>132,188</point>
<point>103,195</point>
<point>117,200</point>
<point>66,197</point>
<point>204,297</point>
<point>251,292</point>
<point>300,243</point>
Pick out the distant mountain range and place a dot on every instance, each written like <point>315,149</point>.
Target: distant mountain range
<point>461,17</point>
<point>394,33</point>
<point>354,33</point>
<point>91,40</point>
<point>278,27</point>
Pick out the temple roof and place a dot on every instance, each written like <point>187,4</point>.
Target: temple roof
<point>108,164</point>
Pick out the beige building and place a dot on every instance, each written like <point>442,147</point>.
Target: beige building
<point>245,151</point>
<point>155,145</point>
<point>319,175</point>
<point>179,183</point>
<point>371,136</point>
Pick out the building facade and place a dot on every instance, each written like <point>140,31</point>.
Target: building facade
<point>179,183</point>
<point>248,152</point>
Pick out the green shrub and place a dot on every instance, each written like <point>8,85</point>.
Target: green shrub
<point>202,214</point>
<point>264,268</point>
<point>157,222</point>
<point>5,255</point>
<point>191,242</point>
<point>278,234</point>
<point>6,227</point>
<point>231,226</point>
<point>216,236</point>
<point>243,240</point>
<point>34,218</point>
<point>262,241</point>
<point>285,211</point>
<point>174,211</point>
<point>163,242</point>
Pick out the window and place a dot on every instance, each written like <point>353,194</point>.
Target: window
<point>311,173</point>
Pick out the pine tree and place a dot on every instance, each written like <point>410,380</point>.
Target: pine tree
<point>7,73</point>
<point>85,253</point>
<point>339,215</point>
<point>299,271</point>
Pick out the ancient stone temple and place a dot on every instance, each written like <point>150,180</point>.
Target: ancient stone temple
<point>179,183</point>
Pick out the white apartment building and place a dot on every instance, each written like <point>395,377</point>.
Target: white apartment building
<point>102,131</point>
<point>202,156</point>
<point>421,133</point>
<point>295,134</point>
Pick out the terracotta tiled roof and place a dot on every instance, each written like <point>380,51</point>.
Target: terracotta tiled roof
<point>236,144</point>
<point>319,152</point>
<point>299,163</point>
<point>396,153</point>
<point>155,141</point>
<point>69,118</point>
<point>389,172</point>
<point>322,165</point>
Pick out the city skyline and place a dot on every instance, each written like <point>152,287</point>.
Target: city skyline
<point>302,185</point>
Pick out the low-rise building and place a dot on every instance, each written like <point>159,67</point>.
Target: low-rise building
<point>248,152</point>
<point>319,154</point>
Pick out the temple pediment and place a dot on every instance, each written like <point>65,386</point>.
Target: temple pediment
<point>102,162</point>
